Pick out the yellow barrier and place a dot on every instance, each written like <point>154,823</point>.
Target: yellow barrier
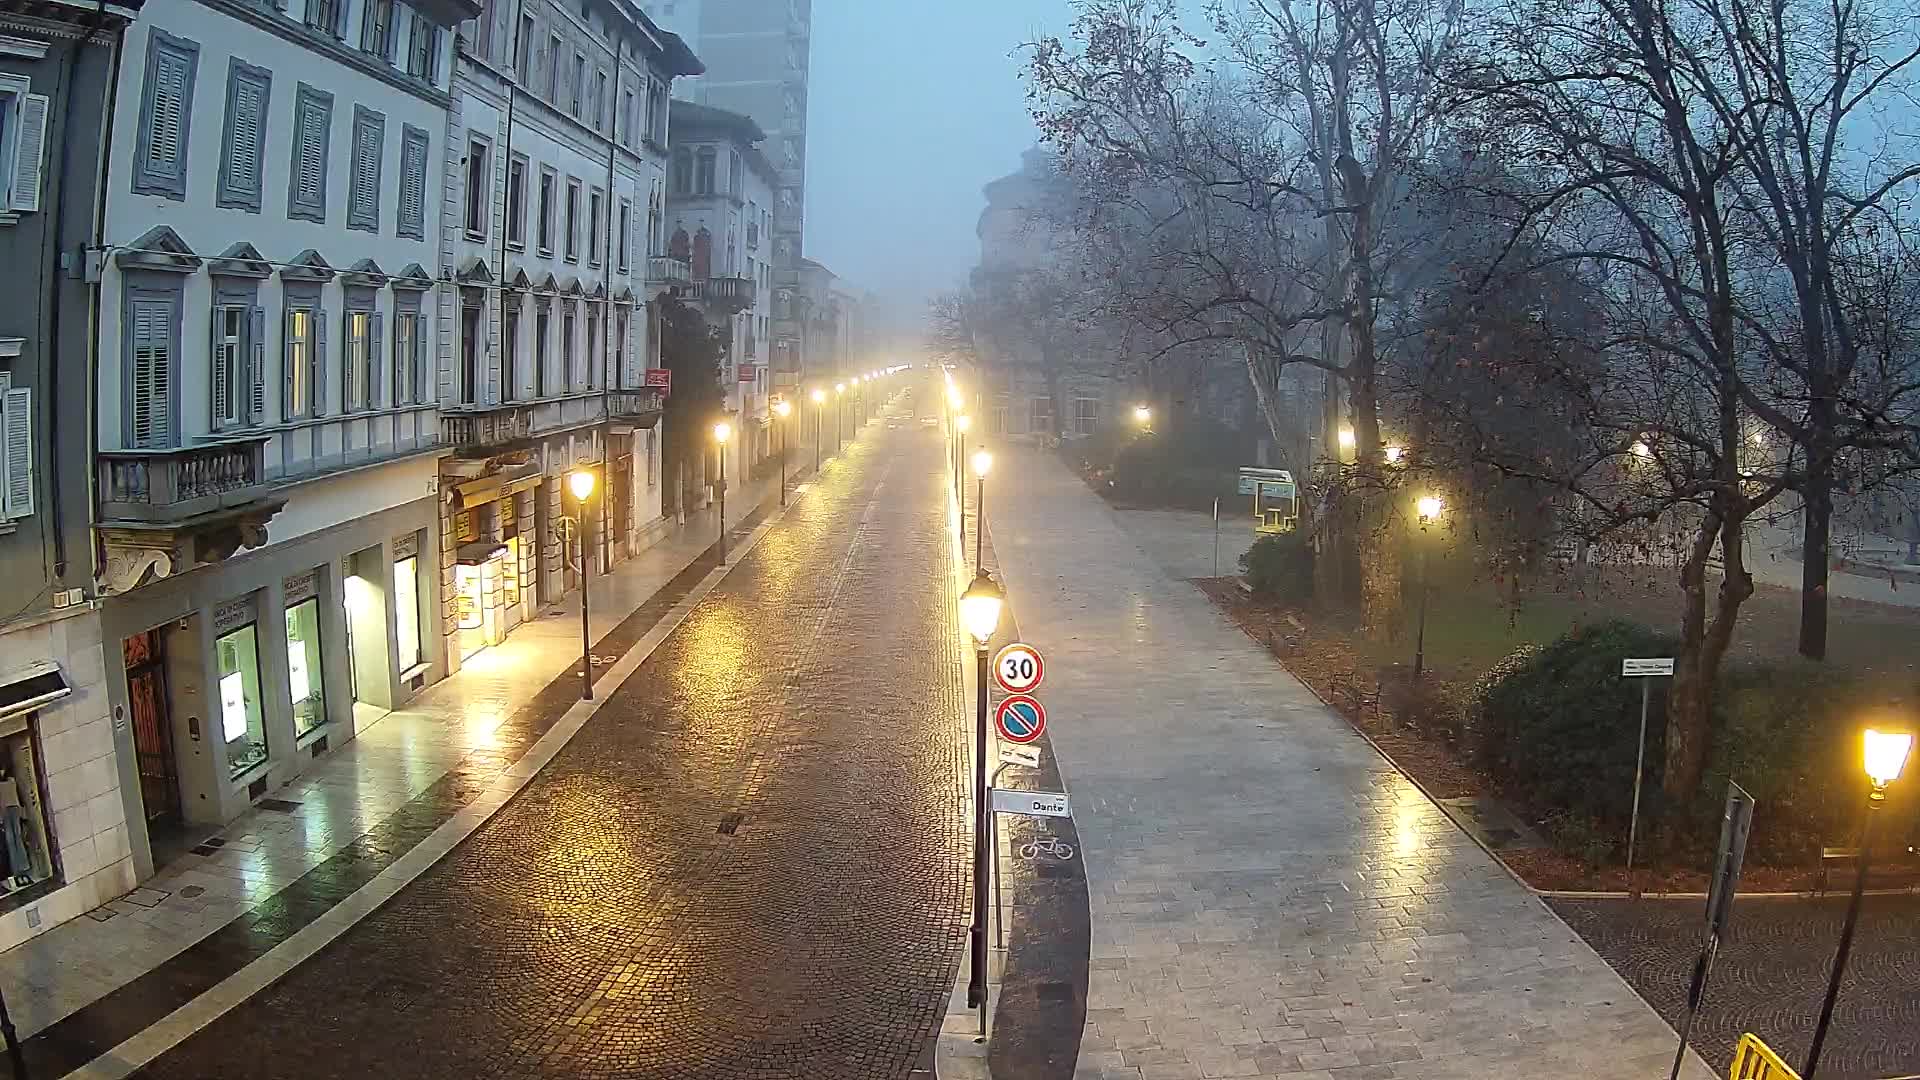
<point>1752,1060</point>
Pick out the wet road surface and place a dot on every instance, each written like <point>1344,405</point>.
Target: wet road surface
<point>750,863</point>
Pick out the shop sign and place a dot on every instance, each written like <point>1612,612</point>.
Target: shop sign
<point>406,547</point>
<point>233,614</point>
<point>660,379</point>
<point>299,587</point>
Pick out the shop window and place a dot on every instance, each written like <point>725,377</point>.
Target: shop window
<point>304,671</point>
<point>23,819</point>
<point>241,725</point>
<point>406,609</point>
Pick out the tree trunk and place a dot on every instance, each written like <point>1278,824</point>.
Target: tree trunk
<point>1703,647</point>
<point>1816,544</point>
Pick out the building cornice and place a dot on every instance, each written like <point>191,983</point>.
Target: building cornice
<point>274,22</point>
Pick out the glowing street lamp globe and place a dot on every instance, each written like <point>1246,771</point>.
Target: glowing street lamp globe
<point>1429,507</point>
<point>782,408</point>
<point>581,481</point>
<point>1884,754</point>
<point>982,462</point>
<point>819,396</point>
<point>722,431</point>
<point>980,608</point>
<point>963,422</point>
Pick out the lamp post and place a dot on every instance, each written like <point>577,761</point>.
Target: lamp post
<point>819,402</point>
<point>721,433</point>
<point>782,409</point>
<point>980,615</point>
<point>1884,755</point>
<point>982,461</point>
<point>838,407</point>
<point>960,425</point>
<point>581,481</point>
<point>1429,507</point>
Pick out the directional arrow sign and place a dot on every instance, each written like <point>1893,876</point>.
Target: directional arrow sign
<point>1031,803</point>
<point>1020,718</point>
<point>1024,756</point>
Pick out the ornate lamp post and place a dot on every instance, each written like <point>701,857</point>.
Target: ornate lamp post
<point>982,462</point>
<point>1430,507</point>
<point>819,402</point>
<point>581,481</point>
<point>722,431</point>
<point>781,410</point>
<point>980,615</point>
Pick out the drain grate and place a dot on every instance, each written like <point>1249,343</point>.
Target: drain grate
<point>730,823</point>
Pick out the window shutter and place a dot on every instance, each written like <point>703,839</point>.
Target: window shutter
<point>313,161</point>
<point>169,115</point>
<point>317,366</point>
<point>220,381</point>
<point>413,186</point>
<point>288,407</point>
<point>244,171</point>
<point>16,460</point>
<point>30,150</point>
<point>257,366</point>
<point>375,369</point>
<point>152,373</point>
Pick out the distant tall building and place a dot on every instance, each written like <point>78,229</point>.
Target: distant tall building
<point>756,56</point>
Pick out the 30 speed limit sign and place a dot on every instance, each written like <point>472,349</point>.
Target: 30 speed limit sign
<point>1017,668</point>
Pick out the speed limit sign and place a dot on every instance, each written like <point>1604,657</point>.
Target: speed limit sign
<point>1017,668</point>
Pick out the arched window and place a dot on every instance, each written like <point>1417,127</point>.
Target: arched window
<point>703,177</point>
<point>682,171</point>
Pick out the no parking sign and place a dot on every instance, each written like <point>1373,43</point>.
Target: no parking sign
<point>1020,718</point>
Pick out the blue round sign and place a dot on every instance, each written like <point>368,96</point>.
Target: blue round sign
<point>1020,718</point>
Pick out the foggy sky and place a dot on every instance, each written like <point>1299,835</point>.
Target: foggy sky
<point>913,106</point>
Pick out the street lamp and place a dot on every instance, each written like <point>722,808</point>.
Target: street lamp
<point>982,461</point>
<point>1143,416</point>
<point>838,389</point>
<point>581,481</point>
<point>980,615</point>
<point>1429,508</point>
<point>1394,454</point>
<point>1883,754</point>
<point>819,402</point>
<point>961,424</point>
<point>722,431</point>
<point>782,409</point>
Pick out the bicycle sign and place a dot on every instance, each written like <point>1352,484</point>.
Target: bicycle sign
<point>1046,845</point>
<point>1020,718</point>
<point>1017,668</point>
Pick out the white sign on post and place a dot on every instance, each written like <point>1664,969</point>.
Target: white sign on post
<point>1026,757</point>
<point>1631,669</point>
<point>1031,803</point>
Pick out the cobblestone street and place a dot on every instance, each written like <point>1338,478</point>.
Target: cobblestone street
<point>749,863</point>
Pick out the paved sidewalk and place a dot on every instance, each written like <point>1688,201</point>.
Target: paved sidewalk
<point>452,724</point>
<point>1269,897</point>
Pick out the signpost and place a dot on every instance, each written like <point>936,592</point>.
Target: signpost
<point>1025,757</point>
<point>1020,718</point>
<point>1736,822</point>
<point>1641,669</point>
<point>1018,668</point>
<point>1031,803</point>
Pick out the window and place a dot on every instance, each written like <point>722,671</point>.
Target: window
<point>376,29</point>
<point>517,201</point>
<point>244,140</point>
<point>23,143</point>
<point>304,350</point>
<point>241,727</point>
<point>704,170</point>
<point>478,177</point>
<point>369,146</point>
<point>152,330</point>
<point>620,348</point>
<point>577,86</point>
<point>647,132</point>
<point>599,102</point>
<point>413,183</point>
<point>573,220</point>
<point>626,214</point>
<point>627,118</point>
<point>510,348</point>
<point>304,670</point>
<point>568,355</point>
<point>238,364</point>
<point>406,612</point>
<point>657,91</point>
<point>324,16</point>
<point>594,360</point>
<point>360,357</point>
<point>470,316</point>
<point>1086,415</point>
<point>542,379</point>
<point>307,175</point>
<point>408,344</point>
<point>484,27</point>
<point>423,50</point>
<point>16,449</point>
<point>546,212</point>
<point>166,112</point>
<point>595,220</point>
<point>736,174</point>
<point>1041,415</point>
<point>682,171</point>
<point>523,51</point>
<point>553,69</point>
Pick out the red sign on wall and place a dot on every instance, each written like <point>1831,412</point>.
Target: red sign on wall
<point>660,379</point>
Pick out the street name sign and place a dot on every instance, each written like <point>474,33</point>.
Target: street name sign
<point>1020,718</point>
<point>1633,669</point>
<point>1024,756</point>
<point>1017,668</point>
<point>1031,803</point>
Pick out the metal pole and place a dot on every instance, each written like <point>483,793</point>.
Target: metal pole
<point>993,843</point>
<point>586,639</point>
<point>977,933</point>
<point>723,504</point>
<point>783,464</point>
<point>1846,942</point>
<point>1420,639</point>
<point>1639,766</point>
<point>1216,536</point>
<point>979,527</point>
<point>816,442</point>
<point>15,1056</point>
<point>960,493</point>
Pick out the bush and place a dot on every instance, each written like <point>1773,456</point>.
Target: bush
<point>1562,726</point>
<point>1279,568</point>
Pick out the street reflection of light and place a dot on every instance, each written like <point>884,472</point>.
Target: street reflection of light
<point>1408,816</point>
<point>717,650</point>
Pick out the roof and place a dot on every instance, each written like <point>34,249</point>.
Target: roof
<point>680,58</point>
<point>691,116</point>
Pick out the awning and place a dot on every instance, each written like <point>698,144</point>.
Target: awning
<point>22,692</point>
<point>475,552</point>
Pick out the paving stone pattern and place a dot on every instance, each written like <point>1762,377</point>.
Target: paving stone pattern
<point>1772,973</point>
<point>1269,898</point>
<point>604,924</point>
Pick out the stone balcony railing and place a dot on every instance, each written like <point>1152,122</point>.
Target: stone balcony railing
<point>175,485</point>
<point>667,270</point>
<point>634,404</point>
<point>729,293</point>
<point>484,427</point>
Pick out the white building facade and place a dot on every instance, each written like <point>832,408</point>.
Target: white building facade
<point>267,424</point>
<point>555,152</point>
<point>720,219</point>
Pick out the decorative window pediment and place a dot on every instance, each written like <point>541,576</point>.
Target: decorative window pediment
<point>307,266</point>
<point>413,277</point>
<point>159,248</point>
<point>242,260</point>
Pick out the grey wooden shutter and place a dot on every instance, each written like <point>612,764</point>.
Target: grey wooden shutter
<point>166,144</point>
<point>257,366</point>
<point>29,148</point>
<point>313,162</point>
<point>16,420</point>
<point>289,407</point>
<point>152,377</point>
<point>317,377</point>
<point>375,370</point>
<point>220,382</point>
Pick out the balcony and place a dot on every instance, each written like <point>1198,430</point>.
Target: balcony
<point>478,431</point>
<point>731,294</point>
<point>641,408</point>
<point>666,274</point>
<point>167,511</point>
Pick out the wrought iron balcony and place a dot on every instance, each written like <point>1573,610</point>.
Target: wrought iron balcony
<point>483,428</point>
<point>729,293</point>
<point>177,485</point>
